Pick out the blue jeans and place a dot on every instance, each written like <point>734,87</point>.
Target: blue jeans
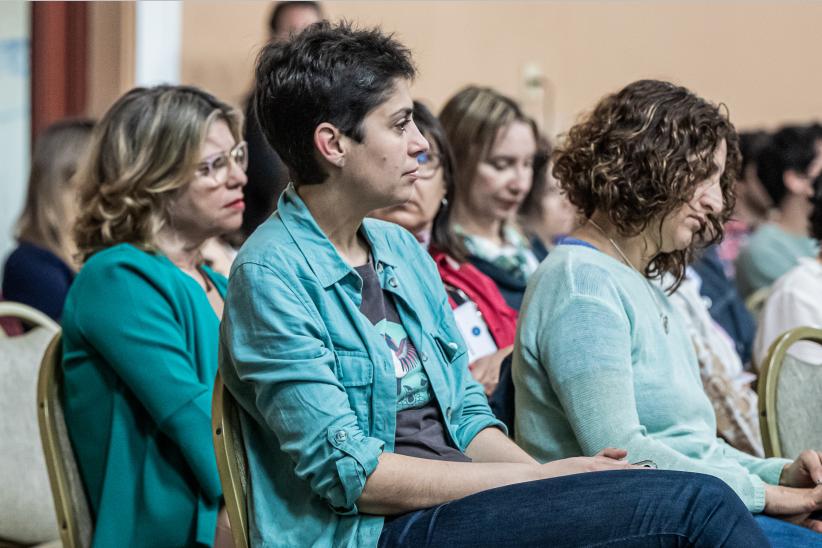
<point>618,508</point>
<point>787,535</point>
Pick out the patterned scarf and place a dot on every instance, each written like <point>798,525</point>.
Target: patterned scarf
<point>514,256</point>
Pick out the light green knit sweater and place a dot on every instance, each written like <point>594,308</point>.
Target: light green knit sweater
<point>594,368</point>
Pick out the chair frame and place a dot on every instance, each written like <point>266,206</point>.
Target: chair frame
<point>756,301</point>
<point>48,386</point>
<point>27,314</point>
<point>227,435</point>
<point>768,380</point>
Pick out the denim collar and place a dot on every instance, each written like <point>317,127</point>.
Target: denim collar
<point>320,253</point>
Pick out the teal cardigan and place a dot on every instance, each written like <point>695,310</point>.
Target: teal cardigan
<point>140,358</point>
<point>593,367</point>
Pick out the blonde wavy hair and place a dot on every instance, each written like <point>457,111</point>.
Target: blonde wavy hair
<point>144,151</point>
<point>49,211</point>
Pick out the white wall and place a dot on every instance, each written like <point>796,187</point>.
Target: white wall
<point>15,119</point>
<point>157,51</point>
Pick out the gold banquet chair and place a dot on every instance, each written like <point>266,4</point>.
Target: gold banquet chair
<point>26,512</point>
<point>756,301</point>
<point>231,460</point>
<point>790,397</point>
<point>70,503</point>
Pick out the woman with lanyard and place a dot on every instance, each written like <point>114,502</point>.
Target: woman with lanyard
<point>602,354</point>
<point>495,144</point>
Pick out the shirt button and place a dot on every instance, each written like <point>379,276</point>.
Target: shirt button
<point>453,345</point>
<point>424,356</point>
<point>340,436</point>
<point>393,282</point>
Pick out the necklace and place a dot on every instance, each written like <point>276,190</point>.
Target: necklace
<point>662,316</point>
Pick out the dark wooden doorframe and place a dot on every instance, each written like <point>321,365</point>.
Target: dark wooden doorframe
<point>59,62</point>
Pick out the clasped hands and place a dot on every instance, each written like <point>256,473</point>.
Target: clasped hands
<point>799,493</point>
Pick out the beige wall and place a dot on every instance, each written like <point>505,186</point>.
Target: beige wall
<point>757,57</point>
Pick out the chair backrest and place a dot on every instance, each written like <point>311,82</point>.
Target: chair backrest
<point>26,512</point>
<point>231,460</point>
<point>790,397</point>
<point>70,503</point>
<point>756,301</point>
<point>14,315</point>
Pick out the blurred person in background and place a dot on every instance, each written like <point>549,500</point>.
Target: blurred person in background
<point>788,168</point>
<point>267,175</point>
<point>486,323</point>
<point>40,270</point>
<point>165,173</point>
<point>494,145</point>
<point>546,214</point>
<point>753,203</point>
<point>796,301</point>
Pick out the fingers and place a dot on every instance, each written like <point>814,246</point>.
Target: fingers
<point>812,460</point>
<point>613,453</point>
<point>813,524</point>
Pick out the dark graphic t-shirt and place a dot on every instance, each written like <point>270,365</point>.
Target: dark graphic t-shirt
<point>420,428</point>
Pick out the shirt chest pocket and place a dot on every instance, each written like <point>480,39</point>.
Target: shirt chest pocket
<point>355,371</point>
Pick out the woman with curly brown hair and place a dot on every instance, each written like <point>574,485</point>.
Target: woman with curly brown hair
<point>601,356</point>
<point>165,173</point>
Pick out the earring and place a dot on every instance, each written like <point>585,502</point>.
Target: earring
<point>444,202</point>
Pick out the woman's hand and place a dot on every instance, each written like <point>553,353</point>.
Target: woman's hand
<point>805,471</point>
<point>794,504</point>
<point>609,458</point>
<point>486,369</point>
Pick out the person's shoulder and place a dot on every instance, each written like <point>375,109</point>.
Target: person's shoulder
<point>119,263</point>
<point>270,244</point>
<point>579,266</point>
<point>805,277</point>
<point>28,257</point>
<point>390,235</point>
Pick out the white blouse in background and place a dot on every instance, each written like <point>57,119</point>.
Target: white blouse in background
<point>796,301</point>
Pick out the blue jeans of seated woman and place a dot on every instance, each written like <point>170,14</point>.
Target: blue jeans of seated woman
<point>787,535</point>
<point>617,508</point>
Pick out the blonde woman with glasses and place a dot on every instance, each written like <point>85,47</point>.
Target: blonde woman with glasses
<point>165,173</point>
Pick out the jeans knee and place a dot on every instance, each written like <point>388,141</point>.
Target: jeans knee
<point>713,489</point>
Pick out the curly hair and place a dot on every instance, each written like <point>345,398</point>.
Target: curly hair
<point>143,152</point>
<point>639,156</point>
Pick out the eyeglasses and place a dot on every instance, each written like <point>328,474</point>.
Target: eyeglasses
<point>428,164</point>
<point>218,166</point>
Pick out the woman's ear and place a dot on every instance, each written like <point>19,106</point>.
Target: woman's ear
<point>328,140</point>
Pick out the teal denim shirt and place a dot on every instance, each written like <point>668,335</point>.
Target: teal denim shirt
<point>316,380</point>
